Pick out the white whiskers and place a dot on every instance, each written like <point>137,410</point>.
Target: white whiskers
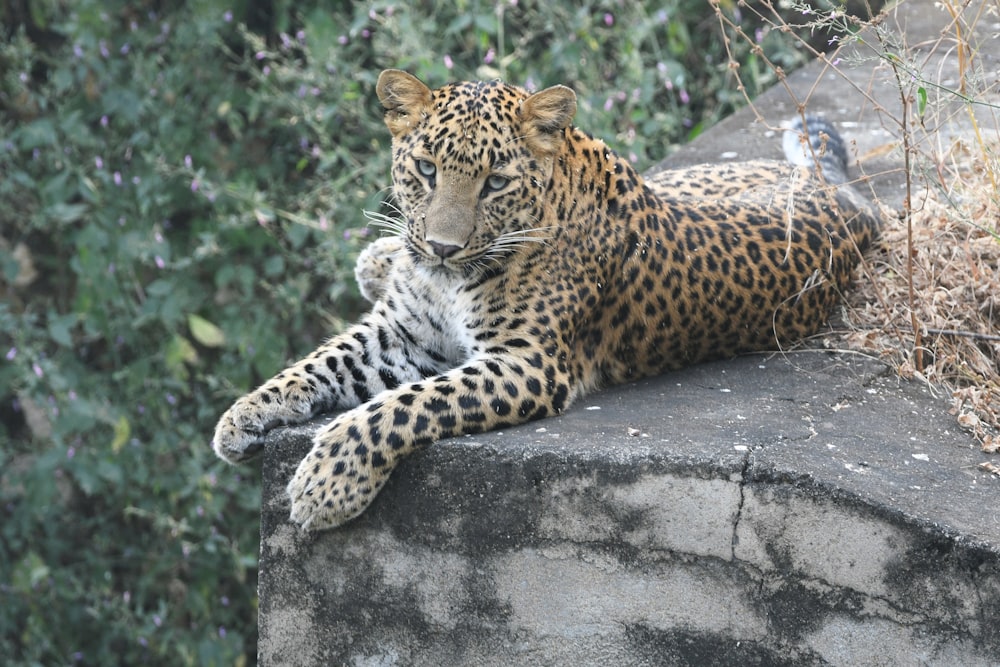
<point>396,225</point>
<point>520,238</point>
<point>509,242</point>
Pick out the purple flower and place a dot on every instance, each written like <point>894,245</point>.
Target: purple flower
<point>187,161</point>
<point>103,47</point>
<point>685,98</point>
<point>37,369</point>
<point>125,49</point>
<point>490,56</point>
<point>117,178</point>
<point>222,632</point>
<point>195,185</point>
<point>11,353</point>
<point>342,40</point>
<point>104,121</point>
<point>171,399</point>
<point>260,55</point>
<point>448,62</point>
<point>609,20</point>
<point>70,452</point>
<point>157,621</point>
<point>143,641</point>
<point>224,600</point>
<point>98,162</point>
<point>77,51</point>
<point>159,262</point>
<point>228,16</point>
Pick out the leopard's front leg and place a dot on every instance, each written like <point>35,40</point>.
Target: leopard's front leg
<point>348,370</point>
<point>352,458</point>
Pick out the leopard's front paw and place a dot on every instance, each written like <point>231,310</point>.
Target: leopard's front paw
<point>239,434</point>
<point>375,264</point>
<point>335,483</point>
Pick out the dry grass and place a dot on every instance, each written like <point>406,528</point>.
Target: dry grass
<point>950,254</point>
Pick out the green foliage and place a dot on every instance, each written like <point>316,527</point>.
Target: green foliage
<point>181,199</point>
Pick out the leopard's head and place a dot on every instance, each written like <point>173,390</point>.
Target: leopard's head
<point>471,163</point>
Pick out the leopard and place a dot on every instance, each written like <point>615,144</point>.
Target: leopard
<point>527,264</point>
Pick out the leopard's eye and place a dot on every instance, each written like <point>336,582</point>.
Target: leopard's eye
<point>495,182</point>
<point>426,168</point>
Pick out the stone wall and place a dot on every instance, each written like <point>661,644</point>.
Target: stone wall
<point>761,511</point>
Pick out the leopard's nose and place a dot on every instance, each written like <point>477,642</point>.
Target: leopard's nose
<point>443,250</point>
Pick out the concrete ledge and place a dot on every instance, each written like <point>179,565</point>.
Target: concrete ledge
<point>808,510</point>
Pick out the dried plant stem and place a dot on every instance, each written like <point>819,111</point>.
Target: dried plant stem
<point>904,126</point>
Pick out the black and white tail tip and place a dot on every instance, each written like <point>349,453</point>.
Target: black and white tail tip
<point>825,145</point>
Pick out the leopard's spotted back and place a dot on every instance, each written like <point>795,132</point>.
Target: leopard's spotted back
<point>537,265</point>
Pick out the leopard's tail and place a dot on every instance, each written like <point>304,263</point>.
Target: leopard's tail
<point>825,146</point>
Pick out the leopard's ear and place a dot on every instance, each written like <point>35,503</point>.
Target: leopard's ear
<point>545,115</point>
<point>404,97</point>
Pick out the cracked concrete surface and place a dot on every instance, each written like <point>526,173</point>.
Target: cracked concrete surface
<point>806,509</point>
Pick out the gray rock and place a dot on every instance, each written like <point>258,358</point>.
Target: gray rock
<point>807,509</point>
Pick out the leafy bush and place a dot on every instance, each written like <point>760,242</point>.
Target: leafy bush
<point>181,197</point>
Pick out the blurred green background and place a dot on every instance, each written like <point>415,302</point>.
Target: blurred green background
<point>181,197</point>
